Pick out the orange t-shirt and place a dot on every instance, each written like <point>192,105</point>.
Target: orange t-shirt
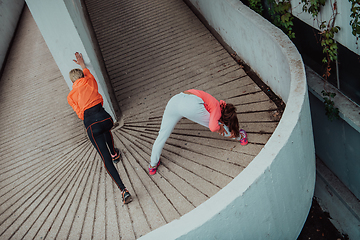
<point>212,106</point>
<point>84,94</point>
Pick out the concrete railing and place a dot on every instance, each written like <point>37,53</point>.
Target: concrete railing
<point>271,198</point>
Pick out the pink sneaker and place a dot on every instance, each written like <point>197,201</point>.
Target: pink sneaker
<point>243,137</point>
<point>152,170</point>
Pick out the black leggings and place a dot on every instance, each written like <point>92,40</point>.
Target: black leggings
<point>98,124</point>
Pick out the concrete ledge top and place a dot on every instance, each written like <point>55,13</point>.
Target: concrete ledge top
<point>349,111</point>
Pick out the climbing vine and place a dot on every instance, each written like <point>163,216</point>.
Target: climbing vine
<point>328,30</point>
<point>330,111</point>
<point>313,6</point>
<point>329,45</point>
<point>355,18</point>
<point>280,12</point>
<point>256,6</point>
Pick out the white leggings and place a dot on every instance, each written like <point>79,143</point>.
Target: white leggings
<point>181,105</point>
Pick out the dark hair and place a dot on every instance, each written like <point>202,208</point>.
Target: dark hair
<point>229,118</point>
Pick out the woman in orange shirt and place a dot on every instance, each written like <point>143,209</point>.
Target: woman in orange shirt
<point>87,102</point>
<point>202,108</point>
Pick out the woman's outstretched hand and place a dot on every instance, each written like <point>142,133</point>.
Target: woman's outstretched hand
<point>232,135</point>
<point>222,130</point>
<point>79,60</point>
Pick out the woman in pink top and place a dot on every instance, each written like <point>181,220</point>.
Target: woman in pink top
<point>202,108</point>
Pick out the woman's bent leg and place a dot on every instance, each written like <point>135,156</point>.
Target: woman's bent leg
<point>110,141</point>
<point>109,138</point>
<point>106,126</point>
<point>98,140</point>
<point>170,118</point>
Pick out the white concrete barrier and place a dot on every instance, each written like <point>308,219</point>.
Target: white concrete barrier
<point>271,198</point>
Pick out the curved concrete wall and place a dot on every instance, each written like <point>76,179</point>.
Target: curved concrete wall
<point>271,198</point>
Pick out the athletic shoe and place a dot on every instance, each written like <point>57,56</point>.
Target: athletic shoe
<point>117,157</point>
<point>126,197</point>
<point>243,137</point>
<point>152,170</point>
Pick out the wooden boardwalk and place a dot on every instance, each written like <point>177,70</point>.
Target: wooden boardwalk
<point>52,182</point>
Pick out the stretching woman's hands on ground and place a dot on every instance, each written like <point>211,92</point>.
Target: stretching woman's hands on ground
<point>222,130</point>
